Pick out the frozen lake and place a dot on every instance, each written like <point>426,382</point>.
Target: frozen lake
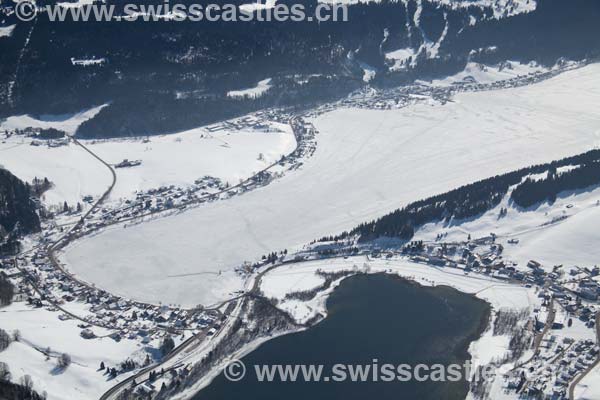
<point>367,163</point>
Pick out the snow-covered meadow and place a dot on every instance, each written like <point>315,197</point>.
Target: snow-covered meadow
<point>73,172</point>
<point>66,122</point>
<point>41,330</point>
<point>179,159</point>
<point>71,169</point>
<point>562,233</point>
<point>367,163</point>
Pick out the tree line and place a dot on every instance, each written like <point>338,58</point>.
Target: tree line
<point>16,205</point>
<point>532,191</point>
<point>476,198</point>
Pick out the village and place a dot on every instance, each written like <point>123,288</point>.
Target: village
<point>569,298</point>
<point>565,328</point>
<point>403,96</point>
<point>41,281</point>
<point>166,200</point>
<point>569,295</point>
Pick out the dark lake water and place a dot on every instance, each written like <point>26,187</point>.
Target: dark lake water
<point>370,317</point>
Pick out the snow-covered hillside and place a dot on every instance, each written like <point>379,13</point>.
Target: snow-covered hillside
<point>67,123</point>
<point>40,330</point>
<point>480,73</point>
<point>561,233</point>
<point>253,92</point>
<point>367,163</point>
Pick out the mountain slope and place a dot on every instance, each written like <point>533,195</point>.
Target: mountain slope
<point>162,77</point>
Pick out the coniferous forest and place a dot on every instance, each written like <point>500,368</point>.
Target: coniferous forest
<point>162,77</point>
<point>16,205</point>
<point>476,198</point>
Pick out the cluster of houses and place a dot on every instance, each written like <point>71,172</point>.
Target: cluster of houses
<point>50,143</point>
<point>204,189</point>
<point>128,163</point>
<point>49,137</point>
<point>549,375</point>
<point>258,121</point>
<point>566,323</point>
<point>406,95</point>
<point>40,284</point>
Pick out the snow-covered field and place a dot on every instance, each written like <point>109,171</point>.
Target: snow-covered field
<point>40,329</point>
<point>367,163</point>
<point>573,242</point>
<point>72,170</point>
<point>589,387</point>
<point>176,159</point>
<point>564,232</point>
<point>181,158</point>
<point>67,122</point>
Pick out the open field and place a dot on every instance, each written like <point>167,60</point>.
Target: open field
<point>179,159</point>
<point>72,171</point>
<point>40,331</point>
